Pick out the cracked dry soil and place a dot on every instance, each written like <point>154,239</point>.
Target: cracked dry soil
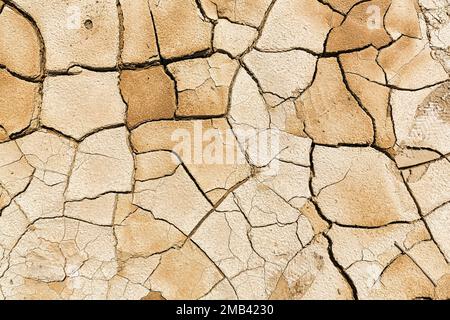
<point>95,203</point>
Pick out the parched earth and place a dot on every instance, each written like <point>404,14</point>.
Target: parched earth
<point>133,137</point>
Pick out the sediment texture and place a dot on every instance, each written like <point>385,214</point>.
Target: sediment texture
<point>133,162</point>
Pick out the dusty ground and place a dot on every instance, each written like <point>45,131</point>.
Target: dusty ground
<point>224,149</point>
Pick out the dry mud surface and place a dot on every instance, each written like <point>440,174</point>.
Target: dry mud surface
<point>224,149</point>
